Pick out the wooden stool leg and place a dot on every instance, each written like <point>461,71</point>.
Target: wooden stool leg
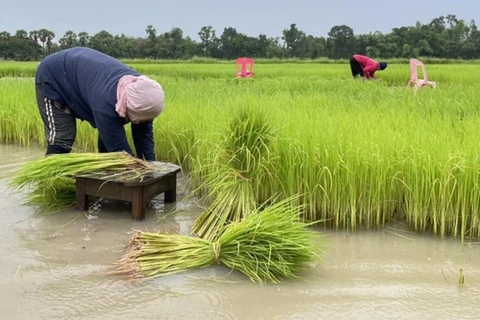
<point>138,203</point>
<point>171,193</point>
<point>82,198</point>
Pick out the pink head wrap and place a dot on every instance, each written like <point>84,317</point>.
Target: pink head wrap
<point>139,98</point>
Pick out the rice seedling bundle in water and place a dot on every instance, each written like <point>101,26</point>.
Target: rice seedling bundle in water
<point>265,246</point>
<point>50,180</point>
<point>229,181</point>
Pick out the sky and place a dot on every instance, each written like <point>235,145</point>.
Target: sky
<point>269,17</point>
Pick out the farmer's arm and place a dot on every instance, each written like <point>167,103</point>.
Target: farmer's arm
<point>369,71</point>
<point>143,138</point>
<point>112,132</point>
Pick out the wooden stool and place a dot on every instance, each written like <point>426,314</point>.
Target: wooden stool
<point>137,191</point>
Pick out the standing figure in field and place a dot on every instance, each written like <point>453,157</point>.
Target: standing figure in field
<point>365,67</point>
<point>81,83</point>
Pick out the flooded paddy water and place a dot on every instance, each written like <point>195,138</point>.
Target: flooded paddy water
<point>53,267</point>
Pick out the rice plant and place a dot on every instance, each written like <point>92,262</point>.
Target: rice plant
<point>266,246</point>
<point>361,154</point>
<point>50,181</point>
<point>229,180</point>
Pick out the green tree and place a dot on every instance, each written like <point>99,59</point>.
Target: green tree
<point>68,40</point>
<point>4,37</point>
<point>21,47</point>
<point>152,48</point>
<point>21,34</point>
<point>103,41</point>
<point>341,42</point>
<point>175,43</point>
<point>209,43</point>
<point>294,41</point>
<point>45,36</point>
<point>83,39</point>
<point>315,47</point>
<point>227,43</point>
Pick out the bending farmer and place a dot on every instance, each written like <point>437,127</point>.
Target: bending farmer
<point>81,83</point>
<point>365,67</point>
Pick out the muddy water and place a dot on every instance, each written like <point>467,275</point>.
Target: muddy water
<point>53,267</point>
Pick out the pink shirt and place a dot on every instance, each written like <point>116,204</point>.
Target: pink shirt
<point>369,65</point>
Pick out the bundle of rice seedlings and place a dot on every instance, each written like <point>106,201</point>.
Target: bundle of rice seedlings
<point>229,179</point>
<point>50,180</point>
<point>232,198</point>
<point>249,138</point>
<point>265,247</point>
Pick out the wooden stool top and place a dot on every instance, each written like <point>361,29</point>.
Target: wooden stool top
<point>133,178</point>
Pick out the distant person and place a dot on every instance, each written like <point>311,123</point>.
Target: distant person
<point>365,67</point>
<point>81,83</point>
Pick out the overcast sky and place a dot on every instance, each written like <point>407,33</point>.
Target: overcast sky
<point>270,17</point>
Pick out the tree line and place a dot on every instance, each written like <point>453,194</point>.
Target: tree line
<point>444,37</point>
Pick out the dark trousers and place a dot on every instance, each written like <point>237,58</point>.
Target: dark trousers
<point>59,124</point>
<point>356,67</point>
<point>101,146</point>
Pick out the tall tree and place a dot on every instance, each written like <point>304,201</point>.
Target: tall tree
<point>294,40</point>
<point>50,37</point>
<point>21,34</point>
<point>174,40</point>
<point>315,47</point>
<point>21,47</point>
<point>4,37</point>
<point>34,36</point>
<point>68,40</point>
<point>208,41</point>
<point>152,50</point>
<point>227,43</point>
<point>83,39</point>
<point>341,42</point>
<point>43,36</point>
<point>46,36</point>
<point>103,41</point>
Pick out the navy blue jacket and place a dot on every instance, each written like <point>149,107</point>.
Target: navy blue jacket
<point>86,81</point>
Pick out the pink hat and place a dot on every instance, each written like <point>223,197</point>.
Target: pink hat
<point>139,98</point>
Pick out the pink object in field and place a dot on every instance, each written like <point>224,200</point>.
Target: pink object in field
<point>418,83</point>
<point>244,68</point>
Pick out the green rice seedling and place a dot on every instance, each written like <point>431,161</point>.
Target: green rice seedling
<point>250,135</point>
<point>17,69</point>
<point>361,154</point>
<point>51,183</point>
<point>229,181</point>
<point>51,196</point>
<point>232,200</point>
<point>176,144</point>
<point>266,246</point>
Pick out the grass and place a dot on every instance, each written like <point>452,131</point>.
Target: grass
<point>360,154</point>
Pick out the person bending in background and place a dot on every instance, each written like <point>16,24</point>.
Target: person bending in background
<point>365,67</point>
<point>82,83</point>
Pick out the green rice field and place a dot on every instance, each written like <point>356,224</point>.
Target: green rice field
<point>360,154</point>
